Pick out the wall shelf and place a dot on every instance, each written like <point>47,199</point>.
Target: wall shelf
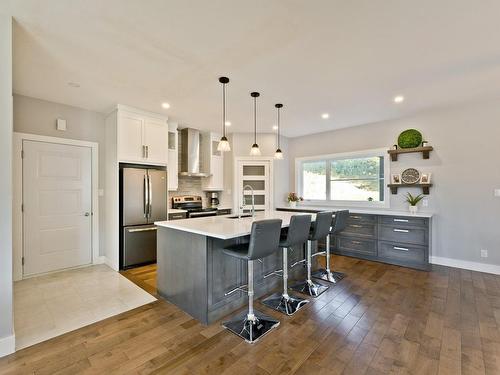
<point>394,187</point>
<point>424,150</point>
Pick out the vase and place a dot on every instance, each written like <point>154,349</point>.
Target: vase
<point>292,204</point>
<point>413,209</point>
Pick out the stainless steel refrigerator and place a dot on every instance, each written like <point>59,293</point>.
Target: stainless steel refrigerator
<point>143,200</point>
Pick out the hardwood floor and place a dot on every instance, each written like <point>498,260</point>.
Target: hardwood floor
<point>144,276</point>
<point>380,319</point>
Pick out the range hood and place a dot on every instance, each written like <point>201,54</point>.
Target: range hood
<point>190,153</point>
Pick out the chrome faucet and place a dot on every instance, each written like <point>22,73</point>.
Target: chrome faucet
<point>253,200</point>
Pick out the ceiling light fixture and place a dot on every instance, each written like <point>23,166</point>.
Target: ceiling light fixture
<point>325,116</point>
<point>275,127</point>
<point>278,154</point>
<point>165,105</point>
<point>223,145</point>
<point>399,99</point>
<point>228,123</point>
<point>255,150</point>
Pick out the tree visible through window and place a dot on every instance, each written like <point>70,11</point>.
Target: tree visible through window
<point>344,179</point>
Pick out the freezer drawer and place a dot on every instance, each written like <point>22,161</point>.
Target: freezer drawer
<point>139,245</point>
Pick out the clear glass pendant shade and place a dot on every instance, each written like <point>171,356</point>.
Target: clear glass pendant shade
<point>223,145</point>
<point>255,150</point>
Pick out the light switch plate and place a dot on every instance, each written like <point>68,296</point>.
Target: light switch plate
<point>497,193</point>
<point>61,124</point>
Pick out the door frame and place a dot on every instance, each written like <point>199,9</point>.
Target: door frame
<point>17,196</point>
<point>236,192</point>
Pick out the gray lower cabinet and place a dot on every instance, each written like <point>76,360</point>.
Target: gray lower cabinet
<point>400,240</point>
<point>177,216</point>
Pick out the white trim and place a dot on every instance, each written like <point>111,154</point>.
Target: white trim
<point>7,345</point>
<point>345,155</point>
<point>466,265</point>
<point>17,217</point>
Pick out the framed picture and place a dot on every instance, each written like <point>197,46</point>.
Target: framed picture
<point>395,178</point>
<point>425,178</point>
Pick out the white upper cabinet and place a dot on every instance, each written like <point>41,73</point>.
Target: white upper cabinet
<point>213,163</point>
<point>142,137</point>
<point>173,157</point>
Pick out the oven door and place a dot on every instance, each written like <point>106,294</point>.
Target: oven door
<point>193,215</point>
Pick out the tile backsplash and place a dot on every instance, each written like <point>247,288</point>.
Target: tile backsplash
<point>189,186</point>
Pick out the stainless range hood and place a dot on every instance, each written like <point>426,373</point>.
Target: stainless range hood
<point>190,153</point>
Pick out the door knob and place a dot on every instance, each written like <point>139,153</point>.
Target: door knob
<point>87,213</point>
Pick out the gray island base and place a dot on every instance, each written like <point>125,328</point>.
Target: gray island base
<point>194,273</point>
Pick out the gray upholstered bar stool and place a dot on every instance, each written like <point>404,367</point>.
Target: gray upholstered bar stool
<point>264,241</point>
<point>319,230</point>
<point>297,235</point>
<point>338,225</point>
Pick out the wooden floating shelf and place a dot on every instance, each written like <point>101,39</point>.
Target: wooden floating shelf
<point>394,187</point>
<point>424,150</point>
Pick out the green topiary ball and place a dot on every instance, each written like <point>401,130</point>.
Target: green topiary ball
<point>410,138</point>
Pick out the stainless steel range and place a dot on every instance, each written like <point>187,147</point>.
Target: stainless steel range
<point>193,205</point>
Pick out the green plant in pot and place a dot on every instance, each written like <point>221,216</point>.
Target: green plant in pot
<point>293,199</point>
<point>413,201</point>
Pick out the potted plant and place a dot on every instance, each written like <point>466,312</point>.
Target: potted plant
<point>413,201</point>
<point>293,199</point>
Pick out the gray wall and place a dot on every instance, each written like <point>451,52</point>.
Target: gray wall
<point>6,323</point>
<point>464,166</point>
<point>37,116</point>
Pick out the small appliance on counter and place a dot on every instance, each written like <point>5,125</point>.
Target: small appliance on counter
<point>143,200</point>
<point>214,200</point>
<point>193,205</point>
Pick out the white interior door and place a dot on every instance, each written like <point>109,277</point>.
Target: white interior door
<point>57,205</point>
<point>256,174</point>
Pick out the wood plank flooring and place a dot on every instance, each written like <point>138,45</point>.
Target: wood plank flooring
<point>380,319</point>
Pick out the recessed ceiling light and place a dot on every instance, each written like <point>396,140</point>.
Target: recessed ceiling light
<point>399,99</point>
<point>165,105</point>
<point>275,127</point>
<point>325,116</point>
<point>228,123</point>
<point>73,84</point>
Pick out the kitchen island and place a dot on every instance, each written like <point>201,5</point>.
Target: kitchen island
<point>194,273</point>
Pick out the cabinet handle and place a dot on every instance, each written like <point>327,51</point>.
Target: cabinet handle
<point>400,248</point>
<point>355,217</point>
<point>143,151</point>
<point>401,220</point>
<point>356,242</point>
<point>142,230</point>
<point>355,226</point>
<point>147,152</point>
<point>401,230</point>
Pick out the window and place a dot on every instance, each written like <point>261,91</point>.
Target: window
<point>344,178</point>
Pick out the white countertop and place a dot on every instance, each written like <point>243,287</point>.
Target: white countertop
<point>361,211</point>
<point>223,226</point>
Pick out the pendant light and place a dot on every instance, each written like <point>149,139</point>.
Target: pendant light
<point>278,154</point>
<point>223,145</point>
<point>255,150</point>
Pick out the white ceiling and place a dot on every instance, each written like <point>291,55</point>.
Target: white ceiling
<point>347,58</point>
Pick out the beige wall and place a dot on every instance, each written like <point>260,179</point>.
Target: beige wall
<point>37,116</point>
<point>465,167</point>
<point>6,322</point>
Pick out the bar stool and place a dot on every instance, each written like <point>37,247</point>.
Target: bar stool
<point>338,225</point>
<point>264,241</point>
<point>320,229</point>
<point>297,234</point>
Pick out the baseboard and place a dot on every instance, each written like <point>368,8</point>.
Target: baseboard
<point>100,260</point>
<point>111,264</point>
<point>7,345</point>
<point>467,265</point>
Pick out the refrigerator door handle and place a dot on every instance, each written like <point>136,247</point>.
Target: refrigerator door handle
<point>150,196</point>
<point>146,197</point>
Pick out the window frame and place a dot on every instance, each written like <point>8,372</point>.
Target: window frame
<point>380,152</point>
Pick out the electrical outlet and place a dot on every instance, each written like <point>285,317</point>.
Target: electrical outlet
<point>425,202</point>
<point>484,253</point>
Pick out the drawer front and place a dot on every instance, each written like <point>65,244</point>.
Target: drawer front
<point>177,216</point>
<point>403,234</point>
<point>404,220</point>
<point>356,245</point>
<point>356,218</point>
<point>402,253</point>
<point>360,229</point>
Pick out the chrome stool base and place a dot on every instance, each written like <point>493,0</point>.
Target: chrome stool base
<point>310,288</point>
<point>287,305</point>
<point>331,277</point>
<point>251,330</point>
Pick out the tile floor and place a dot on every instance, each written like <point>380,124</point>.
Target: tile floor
<point>50,305</point>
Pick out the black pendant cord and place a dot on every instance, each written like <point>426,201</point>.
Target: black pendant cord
<point>278,127</point>
<point>255,120</point>
<point>224,110</point>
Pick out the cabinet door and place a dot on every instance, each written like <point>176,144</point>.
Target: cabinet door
<point>156,141</point>
<point>130,138</point>
<point>173,157</point>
